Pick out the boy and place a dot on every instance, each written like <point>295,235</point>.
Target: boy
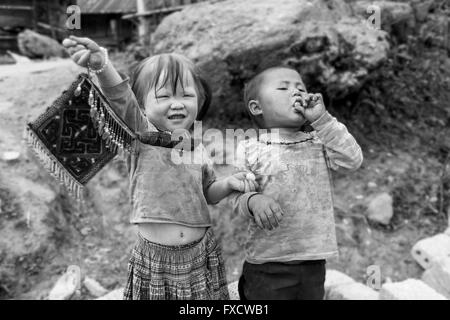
<point>292,230</point>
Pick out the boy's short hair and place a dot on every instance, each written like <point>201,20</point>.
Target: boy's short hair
<point>145,76</point>
<point>251,90</point>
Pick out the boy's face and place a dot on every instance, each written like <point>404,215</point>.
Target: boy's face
<point>170,110</point>
<point>275,98</point>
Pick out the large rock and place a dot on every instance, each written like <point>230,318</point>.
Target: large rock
<point>438,277</point>
<point>334,278</point>
<point>430,251</point>
<point>233,40</point>
<point>410,289</point>
<point>352,291</point>
<point>35,45</point>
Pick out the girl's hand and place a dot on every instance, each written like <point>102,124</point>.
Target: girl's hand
<point>243,182</point>
<point>266,211</point>
<point>84,51</point>
<point>310,105</point>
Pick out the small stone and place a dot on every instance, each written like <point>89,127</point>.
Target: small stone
<point>94,287</point>
<point>359,197</point>
<point>410,289</point>
<point>233,291</point>
<point>380,209</point>
<point>85,231</point>
<point>372,184</point>
<point>10,156</point>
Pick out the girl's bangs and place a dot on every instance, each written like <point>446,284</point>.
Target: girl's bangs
<point>169,72</point>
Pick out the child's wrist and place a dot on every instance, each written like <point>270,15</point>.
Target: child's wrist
<point>105,63</point>
<point>228,184</point>
<point>322,120</point>
<point>249,206</point>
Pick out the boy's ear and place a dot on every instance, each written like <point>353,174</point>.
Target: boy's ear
<point>254,107</point>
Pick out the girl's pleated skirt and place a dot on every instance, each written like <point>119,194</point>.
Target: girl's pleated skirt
<point>194,271</point>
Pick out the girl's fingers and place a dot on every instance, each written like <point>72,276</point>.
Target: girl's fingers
<point>75,49</point>
<point>240,175</point>
<point>277,212</point>
<point>247,186</point>
<point>77,55</point>
<point>269,218</point>
<point>84,58</point>
<point>253,185</point>
<point>241,187</point>
<point>90,44</point>
<point>258,221</point>
<point>275,215</point>
<point>67,43</point>
<point>250,176</point>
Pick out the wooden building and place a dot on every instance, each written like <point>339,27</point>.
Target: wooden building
<point>102,21</point>
<point>115,22</point>
<point>44,16</point>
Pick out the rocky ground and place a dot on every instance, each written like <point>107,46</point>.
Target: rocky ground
<point>400,115</point>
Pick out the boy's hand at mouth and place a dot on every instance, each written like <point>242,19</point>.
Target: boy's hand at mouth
<point>310,105</point>
<point>266,211</point>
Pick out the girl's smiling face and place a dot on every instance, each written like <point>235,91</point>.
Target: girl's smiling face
<point>169,110</point>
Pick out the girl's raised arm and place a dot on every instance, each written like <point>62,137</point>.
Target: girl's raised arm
<point>86,52</point>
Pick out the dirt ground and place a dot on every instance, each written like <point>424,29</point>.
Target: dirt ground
<point>99,238</point>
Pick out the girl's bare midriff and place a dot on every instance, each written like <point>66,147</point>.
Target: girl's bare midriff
<point>170,234</point>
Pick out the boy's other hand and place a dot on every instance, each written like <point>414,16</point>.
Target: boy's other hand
<point>310,105</point>
<point>243,182</point>
<point>266,211</point>
<point>83,51</point>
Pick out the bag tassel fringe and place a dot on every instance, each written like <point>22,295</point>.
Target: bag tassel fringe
<point>118,138</point>
<point>52,164</point>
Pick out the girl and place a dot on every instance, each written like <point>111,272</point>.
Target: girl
<point>176,255</point>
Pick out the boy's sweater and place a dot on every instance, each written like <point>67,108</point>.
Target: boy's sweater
<point>295,172</point>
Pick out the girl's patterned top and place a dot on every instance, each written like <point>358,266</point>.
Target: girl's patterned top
<point>166,186</point>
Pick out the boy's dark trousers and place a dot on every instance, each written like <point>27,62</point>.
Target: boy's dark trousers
<point>294,280</point>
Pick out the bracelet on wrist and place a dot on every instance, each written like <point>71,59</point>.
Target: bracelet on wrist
<point>98,71</point>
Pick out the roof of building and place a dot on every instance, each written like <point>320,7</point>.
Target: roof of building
<point>107,6</point>
<point>129,6</point>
